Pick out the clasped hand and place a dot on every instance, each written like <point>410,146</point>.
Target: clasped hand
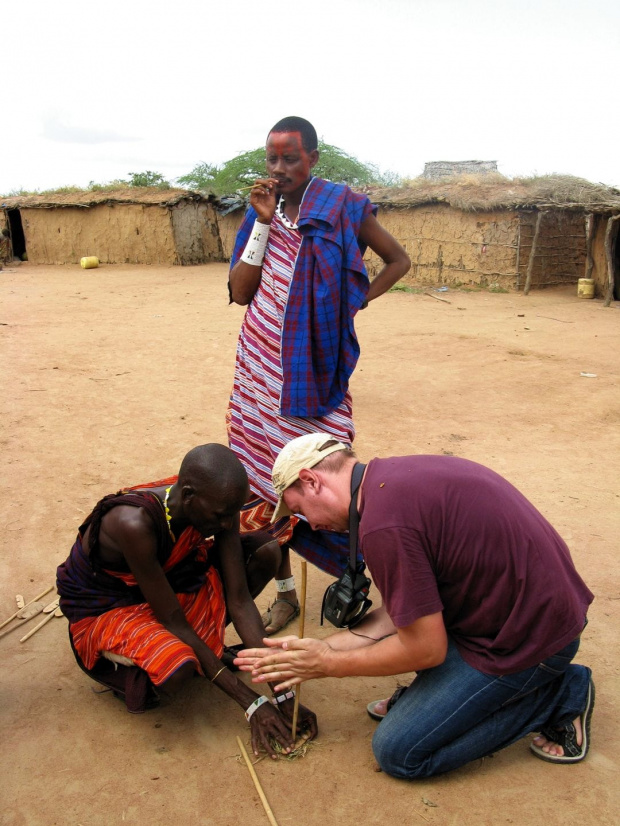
<point>287,660</point>
<point>270,723</point>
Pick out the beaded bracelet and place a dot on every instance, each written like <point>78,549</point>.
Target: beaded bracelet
<point>254,251</point>
<point>258,702</point>
<point>283,585</point>
<point>282,698</point>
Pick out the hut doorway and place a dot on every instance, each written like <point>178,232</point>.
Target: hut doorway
<point>18,239</point>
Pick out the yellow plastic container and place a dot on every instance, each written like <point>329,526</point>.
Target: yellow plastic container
<point>89,262</point>
<point>585,288</point>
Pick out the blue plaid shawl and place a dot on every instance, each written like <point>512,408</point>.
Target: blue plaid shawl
<point>329,285</point>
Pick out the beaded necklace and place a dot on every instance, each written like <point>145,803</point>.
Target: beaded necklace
<point>280,209</point>
<point>282,216</point>
<point>168,517</point>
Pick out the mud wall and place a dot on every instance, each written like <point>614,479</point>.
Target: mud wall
<point>447,246</point>
<point>229,224</point>
<point>560,251</point>
<point>196,233</point>
<point>116,234</point>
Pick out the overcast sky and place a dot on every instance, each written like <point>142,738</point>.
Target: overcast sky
<point>94,90</point>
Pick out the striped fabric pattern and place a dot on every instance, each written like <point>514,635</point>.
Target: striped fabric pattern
<point>256,516</point>
<point>256,430</point>
<point>319,348</point>
<point>134,632</point>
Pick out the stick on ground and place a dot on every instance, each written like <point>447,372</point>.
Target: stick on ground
<point>259,789</point>
<point>42,594</point>
<point>37,626</point>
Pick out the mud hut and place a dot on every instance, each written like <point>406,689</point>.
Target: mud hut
<point>124,226</point>
<point>492,231</point>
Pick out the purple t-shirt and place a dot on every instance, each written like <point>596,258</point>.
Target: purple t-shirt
<point>440,533</point>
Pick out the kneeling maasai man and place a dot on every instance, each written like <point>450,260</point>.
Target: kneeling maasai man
<point>156,572</point>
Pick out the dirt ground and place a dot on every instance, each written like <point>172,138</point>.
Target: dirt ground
<point>111,375</point>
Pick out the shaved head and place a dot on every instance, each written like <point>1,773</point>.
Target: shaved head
<point>214,469</point>
<point>309,139</point>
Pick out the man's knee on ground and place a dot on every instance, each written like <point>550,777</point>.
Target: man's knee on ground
<point>395,759</point>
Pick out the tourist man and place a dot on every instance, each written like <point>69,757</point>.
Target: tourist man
<point>298,264</point>
<point>480,598</point>
<point>149,582</point>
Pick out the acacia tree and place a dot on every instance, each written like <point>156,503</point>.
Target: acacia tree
<point>148,178</point>
<point>242,170</point>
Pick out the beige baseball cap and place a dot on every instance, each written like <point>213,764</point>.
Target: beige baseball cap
<point>303,452</point>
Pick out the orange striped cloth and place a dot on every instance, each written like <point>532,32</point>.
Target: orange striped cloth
<point>134,632</point>
<point>256,516</point>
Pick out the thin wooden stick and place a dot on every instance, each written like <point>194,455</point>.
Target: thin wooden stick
<point>530,263</point>
<point>259,789</point>
<point>37,626</point>
<point>302,622</point>
<point>302,612</point>
<point>243,188</point>
<point>12,617</point>
<point>589,234</point>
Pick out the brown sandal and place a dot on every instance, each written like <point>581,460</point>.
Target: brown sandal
<point>267,618</point>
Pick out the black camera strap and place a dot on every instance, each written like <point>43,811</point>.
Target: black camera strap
<point>354,517</point>
<point>346,601</point>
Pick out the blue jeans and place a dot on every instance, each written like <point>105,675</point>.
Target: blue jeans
<point>453,714</point>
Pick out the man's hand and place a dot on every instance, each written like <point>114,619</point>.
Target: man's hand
<point>306,719</point>
<point>268,722</point>
<point>289,661</point>
<point>293,662</point>
<point>263,199</point>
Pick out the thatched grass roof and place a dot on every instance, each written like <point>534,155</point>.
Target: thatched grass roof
<point>89,198</point>
<point>478,193</point>
<point>470,193</point>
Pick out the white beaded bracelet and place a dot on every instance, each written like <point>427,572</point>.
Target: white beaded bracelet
<point>285,584</point>
<point>258,702</point>
<point>282,698</point>
<point>254,251</point>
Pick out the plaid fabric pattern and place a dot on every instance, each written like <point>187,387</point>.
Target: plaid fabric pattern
<point>328,550</point>
<point>319,346</point>
<point>257,431</point>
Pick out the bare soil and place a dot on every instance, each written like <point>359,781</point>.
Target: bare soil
<point>110,375</point>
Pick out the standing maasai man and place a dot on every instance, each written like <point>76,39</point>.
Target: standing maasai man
<point>298,264</point>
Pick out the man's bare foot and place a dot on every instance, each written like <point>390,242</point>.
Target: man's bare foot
<point>378,708</point>
<point>283,610</point>
<point>570,743</point>
<point>555,749</point>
